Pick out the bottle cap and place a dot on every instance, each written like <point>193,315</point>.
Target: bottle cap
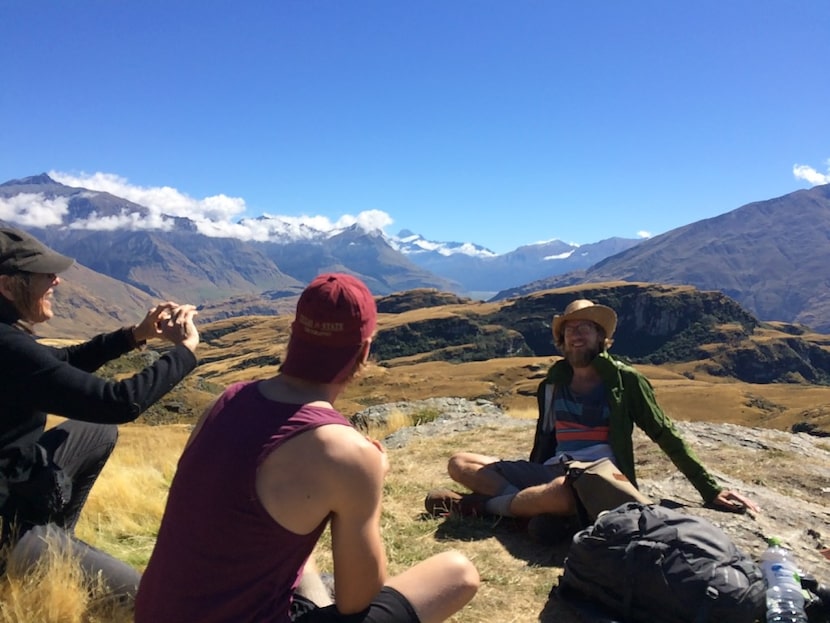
<point>774,540</point>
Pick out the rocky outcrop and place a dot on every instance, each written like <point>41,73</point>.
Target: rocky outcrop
<point>450,338</point>
<point>781,360</point>
<point>420,298</point>
<point>657,324</point>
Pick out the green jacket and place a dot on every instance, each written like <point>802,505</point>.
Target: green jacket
<point>632,401</point>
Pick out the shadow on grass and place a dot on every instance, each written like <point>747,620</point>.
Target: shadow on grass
<point>511,533</point>
<point>513,536</point>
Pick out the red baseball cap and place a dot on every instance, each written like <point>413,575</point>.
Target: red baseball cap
<point>336,313</point>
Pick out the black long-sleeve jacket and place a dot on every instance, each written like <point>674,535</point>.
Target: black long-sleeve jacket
<point>36,379</point>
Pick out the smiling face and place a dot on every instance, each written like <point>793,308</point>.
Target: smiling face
<point>41,288</point>
<point>31,294</point>
<point>582,342</point>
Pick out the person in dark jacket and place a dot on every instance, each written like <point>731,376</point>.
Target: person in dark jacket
<point>46,475</point>
<point>588,404</point>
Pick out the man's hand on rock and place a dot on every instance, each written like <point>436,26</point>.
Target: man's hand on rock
<point>734,502</point>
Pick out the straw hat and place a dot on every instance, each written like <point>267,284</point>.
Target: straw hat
<point>583,309</point>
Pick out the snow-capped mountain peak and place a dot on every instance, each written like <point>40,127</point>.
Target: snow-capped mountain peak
<point>410,243</point>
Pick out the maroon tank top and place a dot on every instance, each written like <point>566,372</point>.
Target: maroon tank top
<point>220,557</point>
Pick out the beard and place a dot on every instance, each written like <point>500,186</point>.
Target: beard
<point>581,357</point>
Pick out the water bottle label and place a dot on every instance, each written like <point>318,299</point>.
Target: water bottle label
<point>784,571</point>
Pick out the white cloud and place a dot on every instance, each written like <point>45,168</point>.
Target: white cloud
<point>212,215</point>
<point>158,199</point>
<point>247,230</point>
<point>643,234</point>
<point>33,210</point>
<point>809,174</point>
<point>297,223</point>
<point>369,220</point>
<point>124,220</point>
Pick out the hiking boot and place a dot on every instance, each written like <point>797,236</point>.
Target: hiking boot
<point>445,502</point>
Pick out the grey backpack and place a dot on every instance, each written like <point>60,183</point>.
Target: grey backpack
<point>651,564</point>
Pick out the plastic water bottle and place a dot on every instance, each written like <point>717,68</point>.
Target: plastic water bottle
<point>785,599</point>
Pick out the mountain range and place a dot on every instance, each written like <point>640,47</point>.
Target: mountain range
<point>769,255</point>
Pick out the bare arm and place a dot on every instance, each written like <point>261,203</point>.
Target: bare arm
<point>357,548</point>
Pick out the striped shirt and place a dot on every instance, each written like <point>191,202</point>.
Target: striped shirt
<point>582,425</point>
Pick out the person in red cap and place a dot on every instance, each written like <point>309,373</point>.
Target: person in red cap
<point>46,475</point>
<point>268,467</point>
<point>588,403</point>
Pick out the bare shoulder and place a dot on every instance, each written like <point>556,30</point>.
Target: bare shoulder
<point>348,450</point>
<point>355,467</point>
<point>320,471</point>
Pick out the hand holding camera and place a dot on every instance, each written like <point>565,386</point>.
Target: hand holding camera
<point>170,321</point>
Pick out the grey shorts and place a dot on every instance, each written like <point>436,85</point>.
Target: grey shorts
<point>524,474</point>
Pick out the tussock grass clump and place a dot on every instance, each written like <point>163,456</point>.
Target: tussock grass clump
<point>121,517</point>
<point>125,507</point>
<point>397,420</point>
<point>56,591</point>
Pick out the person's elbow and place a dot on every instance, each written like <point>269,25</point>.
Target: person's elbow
<point>363,579</point>
<point>350,602</point>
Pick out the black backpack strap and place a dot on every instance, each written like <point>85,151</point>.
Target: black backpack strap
<point>712,594</point>
<point>706,607</point>
<point>628,584</point>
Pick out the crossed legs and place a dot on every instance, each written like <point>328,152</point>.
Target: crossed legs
<point>535,489</point>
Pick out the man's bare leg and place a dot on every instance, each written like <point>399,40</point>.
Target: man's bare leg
<point>473,471</point>
<point>439,586</point>
<point>553,498</point>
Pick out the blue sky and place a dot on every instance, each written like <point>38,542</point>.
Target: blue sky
<point>500,123</point>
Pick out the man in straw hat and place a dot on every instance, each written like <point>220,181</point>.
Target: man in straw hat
<point>588,405</point>
<point>267,469</point>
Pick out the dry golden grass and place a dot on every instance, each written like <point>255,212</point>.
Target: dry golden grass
<point>516,574</point>
<point>120,517</point>
<point>56,591</point>
<point>253,348</point>
<point>50,592</point>
<point>125,506</point>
